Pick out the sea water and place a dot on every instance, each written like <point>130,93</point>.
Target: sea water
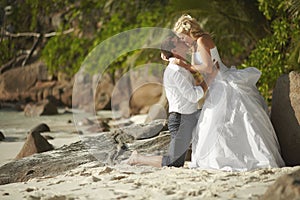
<point>14,124</point>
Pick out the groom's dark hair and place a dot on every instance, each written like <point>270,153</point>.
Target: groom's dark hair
<point>167,45</point>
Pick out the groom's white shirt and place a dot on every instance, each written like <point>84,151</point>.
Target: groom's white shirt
<point>181,92</point>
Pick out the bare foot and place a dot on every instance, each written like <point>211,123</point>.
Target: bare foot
<point>133,159</point>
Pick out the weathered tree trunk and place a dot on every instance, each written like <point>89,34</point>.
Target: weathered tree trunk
<point>108,148</point>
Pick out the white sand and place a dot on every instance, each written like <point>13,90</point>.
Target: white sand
<point>90,181</point>
<point>9,150</point>
<point>140,182</point>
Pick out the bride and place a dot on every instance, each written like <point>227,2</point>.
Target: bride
<point>234,132</point>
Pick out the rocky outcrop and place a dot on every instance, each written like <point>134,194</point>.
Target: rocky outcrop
<point>158,110</point>
<point>108,148</point>
<point>284,119</point>
<point>133,93</point>
<point>144,97</point>
<point>32,83</point>
<point>285,187</point>
<point>91,88</point>
<point>16,84</point>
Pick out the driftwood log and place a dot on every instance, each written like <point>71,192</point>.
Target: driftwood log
<point>107,148</point>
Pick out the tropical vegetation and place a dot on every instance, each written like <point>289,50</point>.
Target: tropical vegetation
<point>259,33</point>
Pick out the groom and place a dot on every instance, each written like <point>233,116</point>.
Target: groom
<point>183,96</point>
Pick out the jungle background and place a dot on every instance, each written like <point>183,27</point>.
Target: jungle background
<point>261,33</point>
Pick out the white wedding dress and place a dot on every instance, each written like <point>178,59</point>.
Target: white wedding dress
<point>234,132</point>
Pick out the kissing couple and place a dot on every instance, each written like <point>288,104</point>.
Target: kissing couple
<point>232,131</point>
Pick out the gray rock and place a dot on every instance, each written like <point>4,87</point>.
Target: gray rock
<point>2,137</point>
<point>41,128</point>
<point>144,131</point>
<point>295,93</point>
<point>285,122</point>
<point>35,143</point>
<point>158,110</point>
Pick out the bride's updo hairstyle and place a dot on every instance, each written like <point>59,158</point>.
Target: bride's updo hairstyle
<point>189,26</point>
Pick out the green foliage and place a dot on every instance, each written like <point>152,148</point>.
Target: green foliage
<point>277,53</point>
<point>6,51</point>
<point>269,29</point>
<point>235,25</point>
<point>119,20</point>
<point>268,59</point>
<point>65,53</point>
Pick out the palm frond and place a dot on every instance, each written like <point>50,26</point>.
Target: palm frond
<point>294,8</point>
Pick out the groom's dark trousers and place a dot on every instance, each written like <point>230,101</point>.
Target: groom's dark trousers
<point>181,127</point>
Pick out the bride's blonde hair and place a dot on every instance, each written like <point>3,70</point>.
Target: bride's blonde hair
<point>189,26</point>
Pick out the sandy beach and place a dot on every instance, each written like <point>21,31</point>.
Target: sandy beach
<point>121,181</point>
<point>91,181</point>
<point>15,126</point>
<point>141,182</point>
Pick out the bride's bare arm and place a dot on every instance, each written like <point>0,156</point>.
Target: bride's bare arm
<point>203,47</point>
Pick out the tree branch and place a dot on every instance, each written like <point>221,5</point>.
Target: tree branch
<point>10,64</point>
<point>35,44</point>
<point>59,33</point>
<point>29,34</point>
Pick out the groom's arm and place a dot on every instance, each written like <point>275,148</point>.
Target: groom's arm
<point>193,70</point>
<point>185,65</point>
<point>189,91</point>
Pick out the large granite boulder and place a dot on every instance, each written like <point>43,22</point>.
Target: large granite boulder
<point>104,89</point>
<point>146,88</point>
<point>158,110</point>
<point>16,83</point>
<point>136,91</point>
<point>144,97</point>
<point>141,89</point>
<point>284,112</point>
<point>295,93</point>
<point>92,92</point>
<point>33,83</point>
